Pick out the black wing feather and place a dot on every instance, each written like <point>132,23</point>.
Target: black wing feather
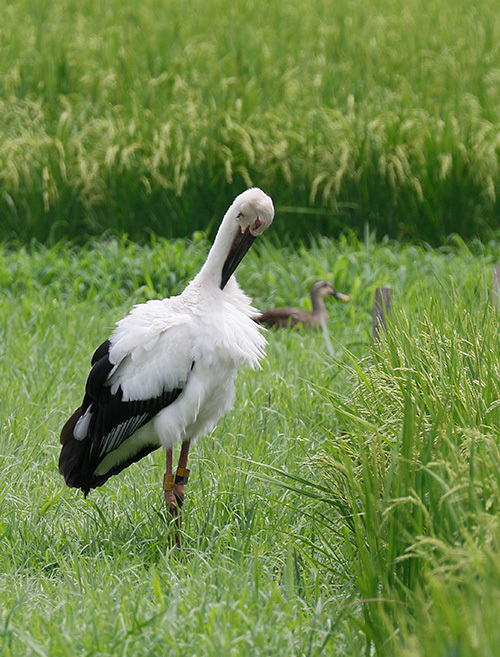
<point>101,351</point>
<point>112,422</point>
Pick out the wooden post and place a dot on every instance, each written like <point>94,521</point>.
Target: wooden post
<point>495,286</point>
<point>381,310</point>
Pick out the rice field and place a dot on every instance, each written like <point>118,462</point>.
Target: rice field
<point>348,504</point>
<point>131,118</point>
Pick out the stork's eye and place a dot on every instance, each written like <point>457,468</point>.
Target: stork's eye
<point>257,224</point>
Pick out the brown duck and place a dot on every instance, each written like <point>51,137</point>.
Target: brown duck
<point>283,317</point>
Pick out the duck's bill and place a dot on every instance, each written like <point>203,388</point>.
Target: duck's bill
<point>241,243</point>
<point>340,296</point>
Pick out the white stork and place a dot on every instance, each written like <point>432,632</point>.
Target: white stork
<point>166,374</point>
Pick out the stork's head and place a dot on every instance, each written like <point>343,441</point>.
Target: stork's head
<point>252,212</point>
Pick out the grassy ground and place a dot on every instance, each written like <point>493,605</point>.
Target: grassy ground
<point>349,501</point>
<point>112,112</point>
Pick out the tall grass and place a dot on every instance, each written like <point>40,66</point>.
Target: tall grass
<point>149,117</point>
<point>348,503</point>
<point>407,485</point>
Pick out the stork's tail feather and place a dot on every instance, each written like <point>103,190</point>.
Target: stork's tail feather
<point>67,430</point>
<point>72,454</point>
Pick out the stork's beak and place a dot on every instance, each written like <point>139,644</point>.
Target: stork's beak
<point>340,296</point>
<point>241,243</point>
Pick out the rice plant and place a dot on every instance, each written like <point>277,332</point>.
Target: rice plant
<point>406,484</point>
<point>148,118</point>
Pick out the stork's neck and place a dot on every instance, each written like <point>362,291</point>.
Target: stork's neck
<point>211,271</point>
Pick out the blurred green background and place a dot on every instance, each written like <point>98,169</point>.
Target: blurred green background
<point>136,117</point>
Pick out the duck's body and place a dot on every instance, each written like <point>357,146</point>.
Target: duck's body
<point>290,317</point>
<point>166,374</point>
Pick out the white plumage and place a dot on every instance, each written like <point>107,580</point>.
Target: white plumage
<point>167,372</point>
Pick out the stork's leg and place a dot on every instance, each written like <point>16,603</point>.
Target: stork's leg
<point>168,487</point>
<point>182,475</point>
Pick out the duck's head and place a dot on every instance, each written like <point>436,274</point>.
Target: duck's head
<point>324,289</point>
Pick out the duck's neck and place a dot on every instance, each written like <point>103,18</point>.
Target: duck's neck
<point>318,305</point>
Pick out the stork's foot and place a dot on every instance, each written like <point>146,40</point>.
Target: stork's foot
<point>173,489</point>
<point>181,479</point>
<point>173,501</point>
<point>179,496</point>
<point>173,497</point>
<point>173,505</point>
